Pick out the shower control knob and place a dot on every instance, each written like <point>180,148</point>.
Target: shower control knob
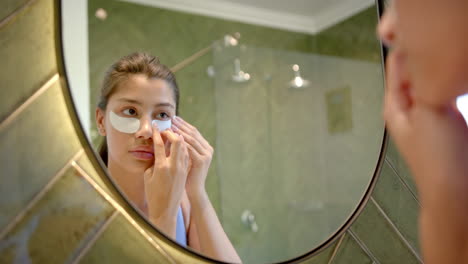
<point>248,219</point>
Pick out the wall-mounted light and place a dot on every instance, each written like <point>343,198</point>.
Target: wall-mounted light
<point>101,14</point>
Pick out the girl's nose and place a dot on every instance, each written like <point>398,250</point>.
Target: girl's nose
<point>386,27</point>
<point>145,131</point>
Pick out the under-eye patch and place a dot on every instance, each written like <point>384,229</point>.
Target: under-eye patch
<point>163,124</point>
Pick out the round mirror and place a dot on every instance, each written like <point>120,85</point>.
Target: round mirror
<point>279,129</point>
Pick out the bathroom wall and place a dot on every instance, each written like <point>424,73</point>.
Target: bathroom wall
<point>353,38</point>
<point>55,208</point>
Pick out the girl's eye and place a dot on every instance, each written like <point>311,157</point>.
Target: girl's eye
<point>130,112</point>
<point>163,116</point>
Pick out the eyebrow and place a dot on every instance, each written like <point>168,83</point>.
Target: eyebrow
<point>132,101</point>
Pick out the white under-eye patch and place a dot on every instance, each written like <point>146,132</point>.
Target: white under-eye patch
<point>163,124</point>
<point>128,125</point>
<point>131,125</point>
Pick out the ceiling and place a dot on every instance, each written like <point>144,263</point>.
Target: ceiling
<point>306,16</point>
<point>300,7</point>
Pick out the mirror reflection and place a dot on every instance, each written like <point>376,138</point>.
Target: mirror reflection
<point>243,137</point>
<point>159,160</point>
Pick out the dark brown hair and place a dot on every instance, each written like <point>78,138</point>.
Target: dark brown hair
<point>135,63</point>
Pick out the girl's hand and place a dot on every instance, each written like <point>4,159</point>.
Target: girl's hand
<point>434,141</point>
<point>165,180</point>
<point>427,136</point>
<point>200,152</point>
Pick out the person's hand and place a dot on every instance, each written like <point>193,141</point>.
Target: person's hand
<point>165,180</point>
<point>433,140</point>
<point>200,152</point>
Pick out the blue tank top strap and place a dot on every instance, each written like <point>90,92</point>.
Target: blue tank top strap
<point>181,236</point>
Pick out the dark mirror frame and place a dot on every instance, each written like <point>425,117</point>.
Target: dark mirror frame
<point>120,198</point>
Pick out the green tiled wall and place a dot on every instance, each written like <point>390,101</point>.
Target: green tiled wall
<point>396,162</point>
<point>50,213</point>
<point>59,225</point>
<point>20,183</point>
<point>374,231</point>
<point>9,6</point>
<point>350,252</point>
<point>113,247</point>
<point>38,53</point>
<point>398,203</point>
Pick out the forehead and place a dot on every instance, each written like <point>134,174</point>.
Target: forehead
<point>142,88</point>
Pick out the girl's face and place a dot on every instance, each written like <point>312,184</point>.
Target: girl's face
<point>432,38</point>
<point>146,100</point>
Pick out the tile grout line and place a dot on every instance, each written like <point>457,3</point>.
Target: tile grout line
<point>96,236</point>
<point>415,197</point>
<point>39,195</point>
<point>15,13</point>
<point>29,101</point>
<point>395,229</point>
<point>363,246</point>
<point>121,210</point>
<point>335,250</point>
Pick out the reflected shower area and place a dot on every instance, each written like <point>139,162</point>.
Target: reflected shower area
<point>293,141</point>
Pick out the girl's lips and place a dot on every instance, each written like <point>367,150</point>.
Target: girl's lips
<point>142,155</point>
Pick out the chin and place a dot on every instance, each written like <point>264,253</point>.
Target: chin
<point>140,166</point>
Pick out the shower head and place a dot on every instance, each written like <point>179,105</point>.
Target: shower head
<point>298,82</point>
<point>230,41</point>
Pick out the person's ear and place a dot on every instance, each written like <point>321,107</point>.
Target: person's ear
<point>100,121</point>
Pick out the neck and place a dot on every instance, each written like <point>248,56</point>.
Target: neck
<point>131,184</point>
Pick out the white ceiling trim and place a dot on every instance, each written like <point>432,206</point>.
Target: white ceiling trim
<point>260,16</point>
<point>341,12</point>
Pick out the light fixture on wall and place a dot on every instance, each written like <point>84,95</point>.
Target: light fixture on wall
<point>239,75</point>
<point>298,82</point>
<point>101,14</point>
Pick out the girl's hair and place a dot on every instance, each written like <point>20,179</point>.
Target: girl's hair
<point>135,63</point>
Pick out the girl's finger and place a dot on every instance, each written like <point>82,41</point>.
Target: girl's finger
<point>193,152</point>
<point>158,145</point>
<point>181,126</point>
<point>184,126</point>
<point>178,147</point>
<point>192,142</point>
<point>182,155</point>
<point>176,144</point>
